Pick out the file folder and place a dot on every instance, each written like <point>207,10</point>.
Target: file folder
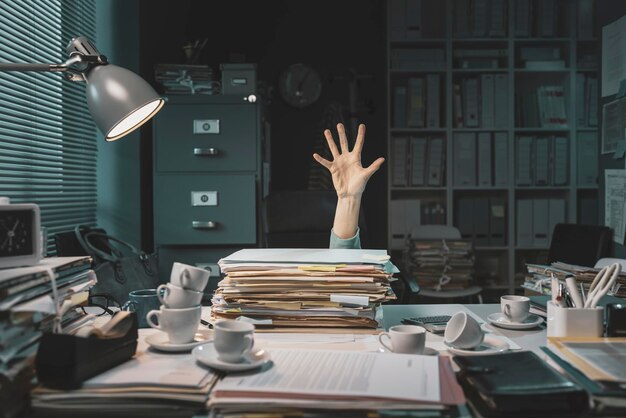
<point>435,161</point>
<point>487,101</point>
<point>556,215</point>
<point>470,102</point>
<point>540,223</point>
<point>542,161</point>
<point>484,159</point>
<point>501,159</point>
<point>397,20</point>
<point>398,224</point>
<point>465,217</point>
<point>418,161</point>
<point>399,107</point>
<point>416,111</point>
<point>501,101</point>
<point>481,221</point>
<point>432,101</point>
<point>399,163</point>
<point>465,159</point>
<point>560,161</point>
<point>581,101</point>
<point>413,18</point>
<point>587,156</point>
<point>524,161</point>
<point>497,221</point>
<point>524,223</point>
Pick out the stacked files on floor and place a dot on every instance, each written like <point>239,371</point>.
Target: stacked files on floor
<point>539,275</point>
<point>596,364</point>
<point>441,264</point>
<point>348,381</point>
<point>152,384</point>
<point>304,287</point>
<point>27,309</point>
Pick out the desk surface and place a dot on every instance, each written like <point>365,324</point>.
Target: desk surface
<point>527,339</point>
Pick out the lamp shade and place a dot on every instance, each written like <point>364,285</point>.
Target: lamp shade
<point>119,100</point>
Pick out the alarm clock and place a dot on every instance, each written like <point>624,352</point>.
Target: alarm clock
<point>20,234</point>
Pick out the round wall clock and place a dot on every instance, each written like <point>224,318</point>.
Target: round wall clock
<point>300,85</point>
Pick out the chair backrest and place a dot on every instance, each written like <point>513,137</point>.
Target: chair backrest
<point>435,232</point>
<point>582,245</point>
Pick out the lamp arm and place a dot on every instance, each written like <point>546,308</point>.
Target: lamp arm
<point>74,67</point>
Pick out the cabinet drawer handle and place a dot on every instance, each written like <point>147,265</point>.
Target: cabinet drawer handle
<point>204,225</point>
<point>206,151</point>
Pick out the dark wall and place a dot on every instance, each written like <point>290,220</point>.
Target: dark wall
<point>331,36</point>
<point>609,11</point>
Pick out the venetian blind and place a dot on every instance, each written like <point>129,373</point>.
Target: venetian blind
<point>48,144</point>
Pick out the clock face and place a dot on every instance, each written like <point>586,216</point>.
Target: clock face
<point>300,85</point>
<point>16,232</point>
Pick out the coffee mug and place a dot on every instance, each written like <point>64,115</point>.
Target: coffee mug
<point>173,296</point>
<point>233,340</point>
<point>406,339</point>
<point>180,325</point>
<point>141,302</point>
<point>463,332</point>
<point>189,277</point>
<point>515,308</point>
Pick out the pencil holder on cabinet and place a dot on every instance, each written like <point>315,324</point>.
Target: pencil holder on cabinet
<point>574,322</point>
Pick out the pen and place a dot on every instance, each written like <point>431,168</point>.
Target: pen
<point>554,284</point>
<point>582,294</point>
<point>572,289</point>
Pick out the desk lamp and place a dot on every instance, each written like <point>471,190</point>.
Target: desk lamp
<point>119,100</point>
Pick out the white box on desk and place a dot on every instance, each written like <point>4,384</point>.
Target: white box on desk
<point>574,322</point>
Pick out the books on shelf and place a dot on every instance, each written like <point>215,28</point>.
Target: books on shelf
<point>418,59</point>
<point>418,103</point>
<point>587,159</point>
<point>542,161</point>
<point>418,161</point>
<point>540,19</point>
<point>416,115</point>
<point>416,19</point>
<point>480,18</point>
<point>481,102</point>
<point>536,219</point>
<point>480,159</point>
<point>405,215</point>
<point>482,220</point>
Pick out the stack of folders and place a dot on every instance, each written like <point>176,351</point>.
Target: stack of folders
<point>186,79</point>
<point>442,265</point>
<point>152,384</point>
<point>27,309</point>
<point>597,365</point>
<point>304,287</point>
<point>538,277</point>
<point>331,383</point>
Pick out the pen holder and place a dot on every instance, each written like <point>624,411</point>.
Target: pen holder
<point>574,322</point>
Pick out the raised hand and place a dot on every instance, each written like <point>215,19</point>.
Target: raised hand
<point>349,176</point>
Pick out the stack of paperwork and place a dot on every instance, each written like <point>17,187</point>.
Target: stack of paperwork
<point>304,287</point>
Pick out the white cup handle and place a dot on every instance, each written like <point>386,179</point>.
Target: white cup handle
<point>184,278</point>
<point>249,343</point>
<point>165,290</point>
<point>380,340</point>
<point>507,311</point>
<point>149,316</point>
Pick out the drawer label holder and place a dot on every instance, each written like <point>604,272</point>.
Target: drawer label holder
<point>204,198</point>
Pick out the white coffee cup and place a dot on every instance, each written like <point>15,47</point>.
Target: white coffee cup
<point>406,339</point>
<point>515,308</point>
<point>180,325</point>
<point>189,277</point>
<point>173,296</point>
<point>463,332</point>
<point>233,339</point>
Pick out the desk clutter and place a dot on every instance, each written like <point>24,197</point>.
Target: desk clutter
<point>441,264</point>
<point>302,288</point>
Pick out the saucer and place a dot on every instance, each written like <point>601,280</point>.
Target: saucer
<point>500,320</point>
<point>206,354</point>
<point>491,345</point>
<point>427,351</point>
<point>160,341</point>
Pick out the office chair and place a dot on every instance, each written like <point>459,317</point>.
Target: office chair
<point>582,245</point>
<point>443,232</point>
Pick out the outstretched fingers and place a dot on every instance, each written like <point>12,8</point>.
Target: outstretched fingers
<point>331,143</point>
<point>322,160</point>
<point>374,166</point>
<point>360,138</point>
<point>343,139</point>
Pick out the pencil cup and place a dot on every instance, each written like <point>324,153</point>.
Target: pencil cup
<point>574,322</point>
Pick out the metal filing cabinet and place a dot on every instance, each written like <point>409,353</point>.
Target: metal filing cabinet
<point>207,176</point>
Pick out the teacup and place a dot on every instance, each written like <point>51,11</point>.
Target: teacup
<point>180,325</point>
<point>463,332</point>
<point>406,339</point>
<point>233,340</point>
<point>141,302</point>
<point>515,308</point>
<point>173,296</point>
<point>189,277</point>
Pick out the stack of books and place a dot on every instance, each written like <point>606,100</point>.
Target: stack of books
<point>441,264</point>
<point>304,287</point>
<point>186,79</point>
<point>27,310</point>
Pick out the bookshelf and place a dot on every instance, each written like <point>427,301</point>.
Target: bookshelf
<point>507,90</point>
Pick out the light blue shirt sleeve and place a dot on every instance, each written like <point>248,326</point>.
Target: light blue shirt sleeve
<point>336,242</point>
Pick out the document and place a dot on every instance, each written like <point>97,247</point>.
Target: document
<point>309,256</point>
<point>614,202</point>
<point>337,374</point>
<point>613,125</point>
<point>609,357</point>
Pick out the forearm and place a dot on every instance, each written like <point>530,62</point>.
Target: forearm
<point>347,216</point>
